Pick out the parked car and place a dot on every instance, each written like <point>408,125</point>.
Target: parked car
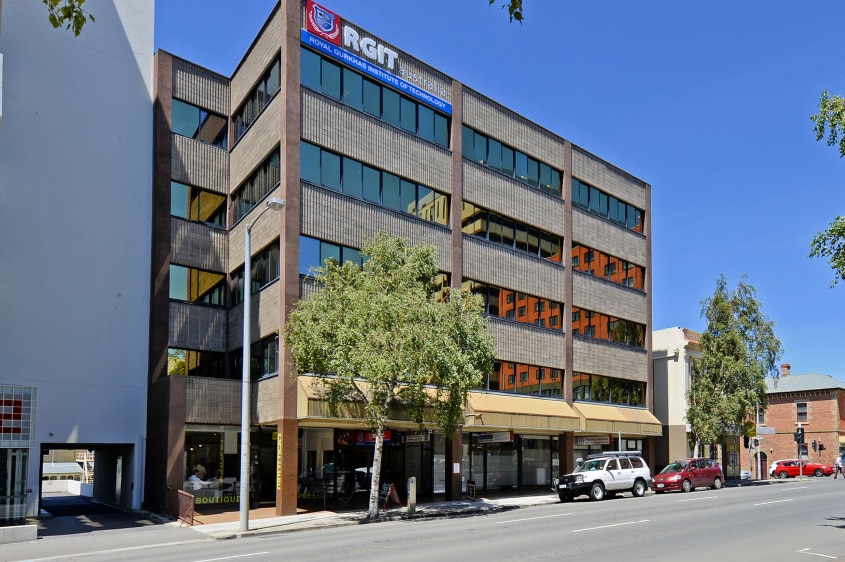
<point>689,474</point>
<point>791,468</point>
<point>606,474</point>
<point>745,475</point>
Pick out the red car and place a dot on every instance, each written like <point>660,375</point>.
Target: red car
<point>688,474</point>
<point>792,468</point>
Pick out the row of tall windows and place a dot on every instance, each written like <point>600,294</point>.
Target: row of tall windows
<point>609,328</point>
<point>606,206</point>
<point>496,228</point>
<point>516,306</point>
<point>197,286</point>
<point>262,181</point>
<point>258,98</point>
<point>194,363</point>
<point>355,90</point>
<point>264,270</point>
<point>356,179</point>
<point>598,388</point>
<point>607,267</point>
<point>519,378</point>
<point>196,123</point>
<point>193,203</point>
<point>313,253</point>
<point>509,161</point>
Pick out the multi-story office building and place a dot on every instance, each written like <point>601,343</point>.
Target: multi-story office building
<point>75,206</point>
<point>358,136</point>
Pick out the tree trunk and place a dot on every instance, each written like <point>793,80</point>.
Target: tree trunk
<point>375,482</point>
<point>695,451</point>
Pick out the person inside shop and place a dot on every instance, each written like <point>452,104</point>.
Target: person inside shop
<point>195,480</point>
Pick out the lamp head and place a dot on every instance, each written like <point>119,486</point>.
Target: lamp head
<point>276,204</point>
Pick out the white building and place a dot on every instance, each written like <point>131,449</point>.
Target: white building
<point>75,206</point>
<point>672,352</point>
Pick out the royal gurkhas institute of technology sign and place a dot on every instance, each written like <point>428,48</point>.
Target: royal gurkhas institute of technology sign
<point>326,32</point>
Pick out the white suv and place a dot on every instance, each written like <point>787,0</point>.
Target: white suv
<point>606,474</point>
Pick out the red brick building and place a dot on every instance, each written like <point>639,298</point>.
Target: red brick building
<point>812,401</point>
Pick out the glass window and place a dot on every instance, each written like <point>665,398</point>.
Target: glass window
<point>196,123</point>
<point>309,69</point>
<point>372,185</point>
<point>196,204</point>
<point>479,149</point>
<point>390,191</point>
<point>330,170</point>
<point>372,98</point>
<point>309,162</point>
<point>801,408</point>
<point>494,154</point>
<point>408,197</point>
<point>390,107</point>
<point>197,286</point>
<point>309,254</point>
<point>467,142</point>
<point>353,89</point>
<point>329,251</point>
<point>441,130</point>
<point>330,84</point>
<point>426,126</point>
<point>508,161</point>
<point>353,178</point>
<point>195,363</point>
<point>408,115</point>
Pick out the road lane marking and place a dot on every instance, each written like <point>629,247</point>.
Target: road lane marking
<point>115,550</point>
<point>231,557</point>
<point>805,551</point>
<point>530,518</point>
<point>609,526</point>
<point>696,499</point>
<point>776,501</point>
<point>795,488</point>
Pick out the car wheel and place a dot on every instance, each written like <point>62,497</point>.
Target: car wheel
<point>564,497</point>
<point>783,475</point>
<point>639,489</point>
<point>597,492</point>
<point>686,486</point>
<point>717,483</point>
<point>818,473</point>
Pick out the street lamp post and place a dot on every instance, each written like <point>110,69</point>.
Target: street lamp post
<point>274,204</point>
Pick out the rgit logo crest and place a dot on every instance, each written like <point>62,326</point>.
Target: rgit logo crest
<point>322,22</point>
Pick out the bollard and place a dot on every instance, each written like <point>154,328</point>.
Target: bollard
<point>412,495</point>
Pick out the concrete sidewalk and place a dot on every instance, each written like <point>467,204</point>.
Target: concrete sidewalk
<point>226,524</point>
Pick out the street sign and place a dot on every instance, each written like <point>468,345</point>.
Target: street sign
<point>764,430</point>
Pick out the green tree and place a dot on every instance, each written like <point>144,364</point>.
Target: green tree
<point>377,336</point>
<point>514,8</point>
<point>739,350</point>
<point>68,13</point>
<point>830,244</point>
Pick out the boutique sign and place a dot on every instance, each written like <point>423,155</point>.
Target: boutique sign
<point>325,32</point>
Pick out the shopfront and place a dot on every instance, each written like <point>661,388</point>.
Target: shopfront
<point>502,460</point>
<point>17,428</point>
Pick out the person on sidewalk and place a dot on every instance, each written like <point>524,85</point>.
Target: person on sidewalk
<point>837,467</point>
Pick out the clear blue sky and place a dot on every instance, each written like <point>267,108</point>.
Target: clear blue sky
<point>709,102</point>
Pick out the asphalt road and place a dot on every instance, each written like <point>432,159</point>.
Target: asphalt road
<point>783,521</point>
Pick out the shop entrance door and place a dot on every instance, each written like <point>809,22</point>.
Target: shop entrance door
<point>13,483</point>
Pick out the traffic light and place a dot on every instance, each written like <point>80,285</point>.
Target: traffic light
<point>821,446</point>
<point>799,435</point>
<point>815,445</point>
<point>745,441</point>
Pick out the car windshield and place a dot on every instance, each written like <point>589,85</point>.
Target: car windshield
<point>673,467</point>
<point>587,466</point>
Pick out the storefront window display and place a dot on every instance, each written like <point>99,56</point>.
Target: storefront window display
<point>212,466</point>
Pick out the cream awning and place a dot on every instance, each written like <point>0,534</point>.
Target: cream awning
<point>600,418</point>
<point>522,414</point>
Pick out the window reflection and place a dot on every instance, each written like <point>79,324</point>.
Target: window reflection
<point>520,378</point>
<point>196,123</point>
<point>607,267</point>
<point>356,179</point>
<point>606,206</point>
<point>197,286</point>
<point>501,303</point>
<point>196,204</point>
<point>479,222</point>
<point>598,388</point>
<point>609,328</point>
<point>513,163</point>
